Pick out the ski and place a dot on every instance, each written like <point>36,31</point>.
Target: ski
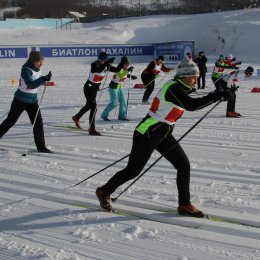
<point>162,215</point>
<point>149,217</point>
<point>71,127</point>
<point>173,217</point>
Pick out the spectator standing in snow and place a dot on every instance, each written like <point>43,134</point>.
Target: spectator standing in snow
<point>98,73</point>
<point>25,98</point>
<point>201,61</point>
<point>154,132</point>
<point>116,92</point>
<point>229,81</point>
<point>149,74</point>
<point>217,74</point>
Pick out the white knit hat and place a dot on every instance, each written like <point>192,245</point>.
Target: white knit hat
<point>187,68</point>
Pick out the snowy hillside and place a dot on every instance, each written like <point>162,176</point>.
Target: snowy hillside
<point>224,32</point>
<point>43,217</point>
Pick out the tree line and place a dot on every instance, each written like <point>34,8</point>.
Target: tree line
<point>115,8</point>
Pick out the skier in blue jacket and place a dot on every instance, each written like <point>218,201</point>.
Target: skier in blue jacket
<point>116,92</point>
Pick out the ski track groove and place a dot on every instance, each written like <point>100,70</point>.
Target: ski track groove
<point>46,175</point>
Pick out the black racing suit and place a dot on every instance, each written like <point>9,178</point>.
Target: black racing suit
<point>159,137</point>
<point>90,91</point>
<point>148,78</point>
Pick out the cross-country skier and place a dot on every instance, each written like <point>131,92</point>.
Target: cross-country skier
<point>230,80</point>
<point>154,132</point>
<point>219,70</point>
<point>231,60</point>
<point>25,98</point>
<point>116,92</point>
<point>149,74</point>
<point>98,73</point>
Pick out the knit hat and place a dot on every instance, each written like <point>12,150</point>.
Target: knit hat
<point>35,56</point>
<point>221,57</point>
<point>187,68</point>
<point>230,57</point>
<point>125,60</point>
<point>103,56</point>
<point>249,70</point>
<point>161,58</point>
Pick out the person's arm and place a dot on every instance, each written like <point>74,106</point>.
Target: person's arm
<point>165,69</point>
<point>234,78</point>
<point>97,67</point>
<point>150,68</point>
<point>223,65</point>
<point>115,69</point>
<point>180,97</point>
<point>26,74</point>
<point>205,59</point>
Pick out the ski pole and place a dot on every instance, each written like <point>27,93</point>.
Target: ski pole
<point>128,94</point>
<point>115,109</point>
<point>114,199</point>
<point>4,115</point>
<point>94,174</point>
<point>223,75</point>
<point>34,121</point>
<point>127,103</point>
<point>154,80</point>
<point>102,88</point>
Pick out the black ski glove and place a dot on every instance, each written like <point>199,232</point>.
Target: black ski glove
<point>131,69</point>
<point>133,77</point>
<point>192,90</point>
<point>227,94</point>
<point>47,77</point>
<point>111,60</point>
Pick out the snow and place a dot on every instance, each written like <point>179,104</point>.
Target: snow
<point>40,213</point>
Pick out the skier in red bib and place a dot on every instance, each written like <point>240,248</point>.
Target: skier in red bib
<point>154,132</point>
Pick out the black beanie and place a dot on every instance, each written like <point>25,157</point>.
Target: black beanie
<point>35,56</point>
<point>103,56</point>
<point>125,60</point>
<point>250,70</point>
<point>161,58</point>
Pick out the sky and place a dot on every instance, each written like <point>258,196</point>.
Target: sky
<point>43,217</point>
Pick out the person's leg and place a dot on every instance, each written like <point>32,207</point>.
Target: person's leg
<point>231,104</point>
<point>38,131</point>
<point>113,94</point>
<point>147,81</point>
<point>177,157</point>
<point>198,81</point>
<point>203,78</point>
<point>91,95</point>
<point>180,161</point>
<point>122,104</point>
<point>148,91</point>
<point>15,111</point>
<point>141,151</point>
<point>84,109</point>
